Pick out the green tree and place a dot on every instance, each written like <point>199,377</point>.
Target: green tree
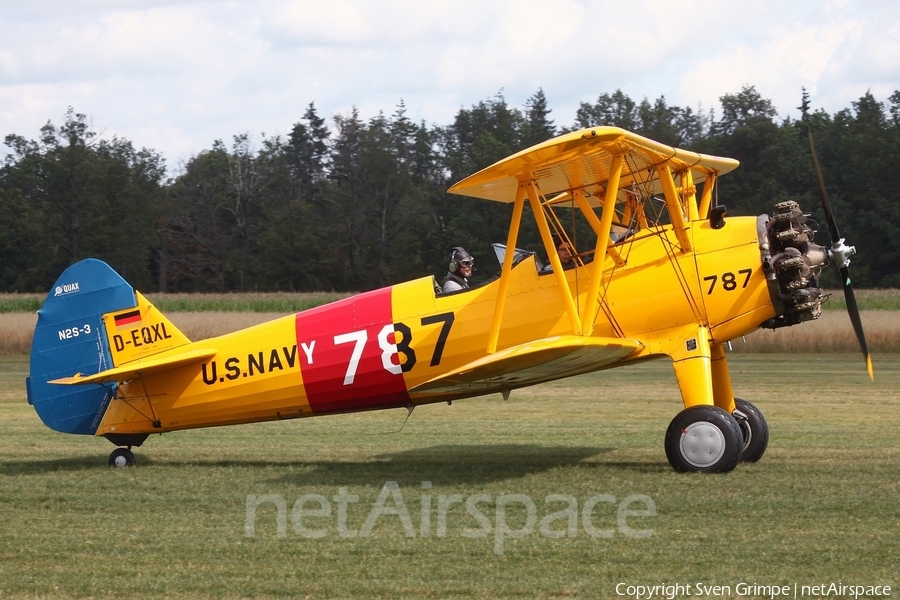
<point>367,206</point>
<point>90,196</point>
<point>657,121</point>
<point>294,233</point>
<point>538,125</point>
<point>859,150</point>
<point>480,136</point>
<point>307,152</point>
<point>378,200</point>
<point>249,175</point>
<point>746,131</point>
<point>197,233</point>
<point>744,109</point>
<point>487,132</point>
<point>616,110</point>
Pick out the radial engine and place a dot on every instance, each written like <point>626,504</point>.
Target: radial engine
<point>792,263</point>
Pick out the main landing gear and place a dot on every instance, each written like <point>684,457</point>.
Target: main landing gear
<point>706,439</point>
<point>715,431</point>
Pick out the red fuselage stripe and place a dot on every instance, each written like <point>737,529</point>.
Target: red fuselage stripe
<point>331,335</point>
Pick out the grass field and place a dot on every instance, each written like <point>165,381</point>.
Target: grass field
<point>822,506</point>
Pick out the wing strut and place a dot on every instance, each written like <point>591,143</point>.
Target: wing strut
<point>676,210</point>
<point>506,273</point>
<point>561,280</point>
<point>689,193</point>
<point>706,197</point>
<point>592,302</point>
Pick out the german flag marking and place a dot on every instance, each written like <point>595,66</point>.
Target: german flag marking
<point>128,319</point>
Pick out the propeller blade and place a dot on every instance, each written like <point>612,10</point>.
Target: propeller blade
<point>826,207</point>
<point>842,255</point>
<point>853,311</point>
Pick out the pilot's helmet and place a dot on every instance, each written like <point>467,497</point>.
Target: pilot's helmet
<point>460,258</point>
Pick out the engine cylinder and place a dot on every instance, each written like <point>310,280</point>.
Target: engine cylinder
<point>793,263</point>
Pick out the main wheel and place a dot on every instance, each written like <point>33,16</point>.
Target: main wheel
<point>121,457</point>
<point>754,429</point>
<point>704,439</point>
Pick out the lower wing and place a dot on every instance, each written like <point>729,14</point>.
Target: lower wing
<point>528,364</point>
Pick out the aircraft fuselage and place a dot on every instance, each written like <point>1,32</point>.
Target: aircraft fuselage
<point>369,351</point>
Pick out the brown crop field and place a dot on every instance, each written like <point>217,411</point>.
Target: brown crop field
<point>16,328</point>
<point>831,333</point>
<point>288,302</point>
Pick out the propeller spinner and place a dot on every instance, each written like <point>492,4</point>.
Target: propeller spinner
<point>840,254</point>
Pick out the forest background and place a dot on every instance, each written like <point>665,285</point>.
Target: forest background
<point>358,204</point>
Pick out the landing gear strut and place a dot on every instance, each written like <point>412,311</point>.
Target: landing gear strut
<point>704,439</point>
<point>121,457</point>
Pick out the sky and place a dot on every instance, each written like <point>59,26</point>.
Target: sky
<point>175,76</point>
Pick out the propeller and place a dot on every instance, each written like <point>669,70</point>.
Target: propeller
<point>841,253</point>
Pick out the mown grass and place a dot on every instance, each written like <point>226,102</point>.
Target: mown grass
<point>820,507</point>
<point>284,302</point>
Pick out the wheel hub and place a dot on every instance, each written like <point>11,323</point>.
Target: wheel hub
<point>702,444</point>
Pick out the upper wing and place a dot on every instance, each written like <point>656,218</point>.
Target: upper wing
<point>581,160</point>
<point>527,364</point>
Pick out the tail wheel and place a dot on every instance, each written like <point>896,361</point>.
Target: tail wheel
<point>754,429</point>
<point>121,457</point>
<point>704,439</point>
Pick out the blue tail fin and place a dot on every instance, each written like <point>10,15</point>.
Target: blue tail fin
<point>70,338</point>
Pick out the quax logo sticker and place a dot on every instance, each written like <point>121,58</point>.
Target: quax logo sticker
<point>66,288</point>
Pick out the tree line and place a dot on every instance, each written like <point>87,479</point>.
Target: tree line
<point>356,204</point>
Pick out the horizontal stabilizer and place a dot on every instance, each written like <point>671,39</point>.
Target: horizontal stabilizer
<point>534,362</point>
<point>136,369</point>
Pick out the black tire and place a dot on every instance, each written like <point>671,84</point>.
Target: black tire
<point>704,439</point>
<point>121,457</point>
<point>754,429</point>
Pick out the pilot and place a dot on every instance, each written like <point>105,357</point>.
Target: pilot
<point>564,249</point>
<point>565,252</point>
<point>461,263</point>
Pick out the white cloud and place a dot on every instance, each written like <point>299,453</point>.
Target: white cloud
<point>784,60</point>
<point>176,75</point>
<point>868,58</point>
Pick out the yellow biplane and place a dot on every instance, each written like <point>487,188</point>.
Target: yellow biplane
<point>657,270</point>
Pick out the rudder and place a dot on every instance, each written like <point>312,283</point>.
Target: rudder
<point>91,321</point>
